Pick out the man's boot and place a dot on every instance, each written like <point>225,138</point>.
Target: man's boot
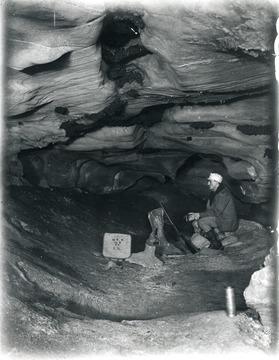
<point>220,235</point>
<point>214,242</point>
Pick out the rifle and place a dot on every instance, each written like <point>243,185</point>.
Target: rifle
<point>188,242</point>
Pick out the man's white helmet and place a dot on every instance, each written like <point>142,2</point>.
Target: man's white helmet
<point>216,177</point>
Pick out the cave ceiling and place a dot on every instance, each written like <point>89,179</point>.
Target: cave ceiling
<point>101,94</point>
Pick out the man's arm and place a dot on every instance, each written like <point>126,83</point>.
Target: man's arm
<point>196,216</point>
<point>207,212</point>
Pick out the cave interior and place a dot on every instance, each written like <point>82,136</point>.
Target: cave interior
<point>112,108</point>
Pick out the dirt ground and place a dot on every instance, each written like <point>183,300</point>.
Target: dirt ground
<point>61,298</point>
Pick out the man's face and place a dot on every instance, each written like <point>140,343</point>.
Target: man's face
<point>212,184</point>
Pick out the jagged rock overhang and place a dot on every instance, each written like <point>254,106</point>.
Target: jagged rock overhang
<point>133,87</point>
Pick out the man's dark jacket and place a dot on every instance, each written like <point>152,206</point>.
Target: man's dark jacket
<point>221,205</point>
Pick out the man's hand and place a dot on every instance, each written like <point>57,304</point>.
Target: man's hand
<point>193,216</point>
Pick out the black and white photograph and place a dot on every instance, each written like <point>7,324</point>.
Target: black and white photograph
<point>139,179</point>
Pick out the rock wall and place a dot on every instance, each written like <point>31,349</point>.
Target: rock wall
<point>262,293</point>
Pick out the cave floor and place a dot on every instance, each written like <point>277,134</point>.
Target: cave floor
<point>62,298</point>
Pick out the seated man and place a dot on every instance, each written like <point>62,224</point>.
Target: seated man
<point>220,212</point>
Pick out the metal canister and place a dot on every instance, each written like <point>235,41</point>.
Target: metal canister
<point>230,301</point>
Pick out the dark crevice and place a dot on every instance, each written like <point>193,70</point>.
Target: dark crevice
<point>27,114</point>
<point>114,115</point>
<point>132,73</point>
<point>125,55</point>
<point>133,93</point>
<point>54,66</point>
<point>90,312</point>
<point>151,115</point>
<point>109,115</point>
<point>126,74</point>
<point>61,110</point>
<point>270,153</point>
<point>255,130</point>
<point>212,98</point>
<point>116,108</point>
<point>259,90</point>
<point>208,98</point>
<point>31,151</point>
<point>119,28</point>
<point>120,41</point>
<point>202,125</point>
<point>51,261</point>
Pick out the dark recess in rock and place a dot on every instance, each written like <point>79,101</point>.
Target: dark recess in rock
<point>133,93</point>
<point>125,74</point>
<point>189,138</point>
<point>27,114</point>
<point>269,153</point>
<point>152,115</point>
<point>190,162</point>
<point>113,115</point>
<point>206,98</point>
<point>52,262</point>
<point>91,312</point>
<point>202,125</point>
<point>213,157</point>
<point>147,117</point>
<point>61,110</point>
<point>149,151</point>
<point>255,130</point>
<point>124,55</point>
<point>117,107</point>
<point>109,115</point>
<point>75,130</point>
<point>119,28</point>
<point>56,65</point>
<point>32,169</point>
